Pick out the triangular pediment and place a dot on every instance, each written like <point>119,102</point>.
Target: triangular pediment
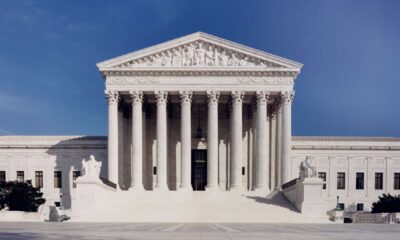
<point>199,50</point>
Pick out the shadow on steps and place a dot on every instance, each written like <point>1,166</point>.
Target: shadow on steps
<point>275,198</point>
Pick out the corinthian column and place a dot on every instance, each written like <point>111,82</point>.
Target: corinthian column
<point>237,147</point>
<point>137,141</point>
<point>212,141</point>
<point>161,180</point>
<point>278,146</point>
<point>186,145</point>
<point>112,99</point>
<point>286,136</point>
<point>262,153</point>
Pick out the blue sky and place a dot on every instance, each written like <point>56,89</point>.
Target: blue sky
<point>350,50</point>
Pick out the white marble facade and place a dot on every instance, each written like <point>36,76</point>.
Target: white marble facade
<point>159,99</point>
<point>201,92</point>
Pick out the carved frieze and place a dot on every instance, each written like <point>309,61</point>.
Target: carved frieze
<point>131,80</point>
<point>240,80</point>
<point>199,54</point>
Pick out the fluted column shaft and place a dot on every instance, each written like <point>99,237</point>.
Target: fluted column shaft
<point>112,99</point>
<point>236,134</point>
<point>212,141</point>
<point>186,145</point>
<point>137,141</point>
<point>262,149</point>
<point>278,147</point>
<point>286,136</point>
<point>161,180</point>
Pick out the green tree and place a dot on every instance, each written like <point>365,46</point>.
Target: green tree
<point>386,204</point>
<point>20,196</point>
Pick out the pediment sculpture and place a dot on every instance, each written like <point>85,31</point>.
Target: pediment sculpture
<point>308,168</point>
<point>198,54</point>
<point>91,168</point>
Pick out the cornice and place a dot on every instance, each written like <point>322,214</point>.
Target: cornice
<point>344,139</point>
<point>53,142</point>
<point>206,71</point>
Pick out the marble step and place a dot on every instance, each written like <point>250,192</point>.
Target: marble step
<point>175,206</point>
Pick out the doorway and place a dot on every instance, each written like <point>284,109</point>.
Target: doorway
<point>199,169</point>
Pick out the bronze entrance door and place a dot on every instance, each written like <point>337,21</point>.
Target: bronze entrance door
<point>199,169</point>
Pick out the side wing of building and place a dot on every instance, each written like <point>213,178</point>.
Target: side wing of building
<point>357,169</point>
<point>51,162</point>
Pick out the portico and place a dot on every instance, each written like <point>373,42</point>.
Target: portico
<point>199,92</point>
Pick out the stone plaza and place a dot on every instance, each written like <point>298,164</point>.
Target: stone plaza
<point>187,231</point>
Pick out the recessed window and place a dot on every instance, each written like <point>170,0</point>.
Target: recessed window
<point>2,176</point>
<point>360,207</point>
<point>341,206</point>
<point>20,176</point>
<point>75,175</point>
<point>57,179</point>
<point>154,170</point>
<point>39,179</point>
<point>243,171</point>
<point>378,181</point>
<point>397,181</point>
<point>322,175</point>
<point>359,181</point>
<point>341,180</point>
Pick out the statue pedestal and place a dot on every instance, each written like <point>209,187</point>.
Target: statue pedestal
<point>336,216</point>
<point>311,193</point>
<point>306,195</point>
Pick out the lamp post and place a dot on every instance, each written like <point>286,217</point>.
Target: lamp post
<point>337,204</point>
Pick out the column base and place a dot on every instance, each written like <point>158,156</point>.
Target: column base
<point>161,188</point>
<point>236,188</point>
<point>137,188</point>
<point>261,188</point>
<point>212,187</point>
<point>263,191</point>
<point>185,188</point>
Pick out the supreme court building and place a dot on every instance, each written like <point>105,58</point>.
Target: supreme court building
<point>200,112</point>
<point>199,129</point>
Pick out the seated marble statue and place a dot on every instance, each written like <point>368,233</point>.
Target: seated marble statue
<point>308,168</point>
<point>91,168</point>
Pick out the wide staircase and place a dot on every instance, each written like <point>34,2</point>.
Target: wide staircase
<point>196,206</point>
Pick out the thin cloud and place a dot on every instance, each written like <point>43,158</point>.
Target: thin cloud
<point>4,132</point>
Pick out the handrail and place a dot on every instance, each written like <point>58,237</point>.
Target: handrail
<point>108,183</point>
<point>290,183</point>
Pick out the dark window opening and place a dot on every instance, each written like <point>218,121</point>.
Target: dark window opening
<point>2,176</point>
<point>359,181</point>
<point>57,179</point>
<point>20,176</point>
<point>39,179</point>
<point>397,181</point>
<point>341,180</point>
<point>360,207</point>
<point>378,181</point>
<point>322,175</point>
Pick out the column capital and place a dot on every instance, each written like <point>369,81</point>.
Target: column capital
<point>161,96</point>
<point>186,97</point>
<point>287,97</point>
<point>213,96</point>
<point>136,96</point>
<point>262,97</point>
<point>112,97</point>
<point>237,96</point>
